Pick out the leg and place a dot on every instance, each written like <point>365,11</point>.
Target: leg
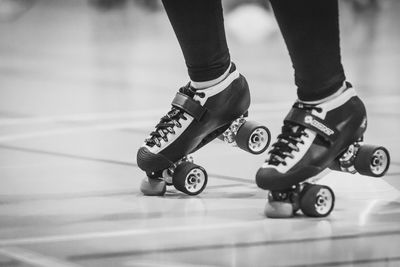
<point>311,32</point>
<point>199,27</point>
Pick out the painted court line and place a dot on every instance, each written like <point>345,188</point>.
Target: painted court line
<point>179,229</point>
<point>82,117</point>
<point>145,122</point>
<point>139,114</point>
<point>111,161</point>
<point>215,246</point>
<point>71,130</point>
<point>141,124</point>
<point>96,116</point>
<point>164,264</point>
<point>33,258</point>
<point>124,233</point>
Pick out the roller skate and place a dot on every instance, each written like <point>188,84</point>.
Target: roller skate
<point>314,138</point>
<point>196,118</point>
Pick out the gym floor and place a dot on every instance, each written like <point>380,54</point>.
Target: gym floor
<point>80,89</point>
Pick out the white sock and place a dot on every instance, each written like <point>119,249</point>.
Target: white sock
<point>336,94</point>
<point>206,84</point>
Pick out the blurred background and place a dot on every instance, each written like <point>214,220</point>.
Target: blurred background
<point>82,83</point>
<point>99,45</point>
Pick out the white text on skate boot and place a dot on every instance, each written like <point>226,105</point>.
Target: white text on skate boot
<point>318,125</point>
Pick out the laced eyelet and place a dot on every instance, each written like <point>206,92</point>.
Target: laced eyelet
<point>289,155</point>
<point>177,124</point>
<point>171,130</point>
<point>202,94</point>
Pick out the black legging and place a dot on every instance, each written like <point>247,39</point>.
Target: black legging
<point>310,29</point>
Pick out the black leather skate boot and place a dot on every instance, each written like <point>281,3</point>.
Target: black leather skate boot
<point>315,137</point>
<point>196,118</point>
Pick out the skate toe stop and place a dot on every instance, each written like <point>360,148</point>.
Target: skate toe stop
<point>153,187</point>
<point>277,209</point>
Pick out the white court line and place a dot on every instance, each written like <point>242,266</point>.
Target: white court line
<point>141,124</point>
<point>82,117</point>
<point>71,130</point>
<point>148,231</point>
<point>124,233</point>
<point>134,124</point>
<point>140,114</point>
<point>363,217</point>
<point>137,125</point>
<point>33,258</point>
<point>164,264</point>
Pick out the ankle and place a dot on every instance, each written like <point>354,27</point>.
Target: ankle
<point>209,83</point>
<point>346,85</point>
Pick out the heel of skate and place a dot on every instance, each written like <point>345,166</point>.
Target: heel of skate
<point>249,136</point>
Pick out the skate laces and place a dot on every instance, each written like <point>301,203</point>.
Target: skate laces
<point>291,136</point>
<point>171,120</point>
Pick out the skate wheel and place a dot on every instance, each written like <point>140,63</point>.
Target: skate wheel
<point>372,160</point>
<point>189,178</point>
<point>317,200</point>
<point>253,137</point>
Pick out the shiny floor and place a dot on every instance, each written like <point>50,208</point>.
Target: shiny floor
<point>81,87</point>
